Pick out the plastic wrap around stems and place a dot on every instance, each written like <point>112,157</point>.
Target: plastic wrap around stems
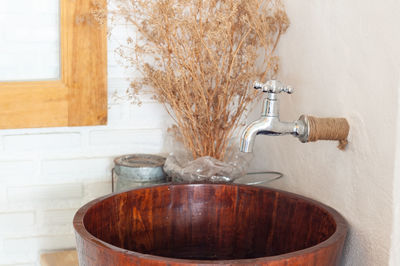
<point>181,167</point>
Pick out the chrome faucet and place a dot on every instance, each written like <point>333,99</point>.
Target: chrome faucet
<point>269,123</point>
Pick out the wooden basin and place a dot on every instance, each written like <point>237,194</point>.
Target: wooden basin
<point>208,224</point>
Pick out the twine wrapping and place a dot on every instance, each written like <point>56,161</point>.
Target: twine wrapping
<point>329,129</point>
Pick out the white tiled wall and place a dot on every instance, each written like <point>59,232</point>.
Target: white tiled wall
<point>47,174</point>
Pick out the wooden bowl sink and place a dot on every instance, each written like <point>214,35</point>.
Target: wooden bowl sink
<point>208,224</point>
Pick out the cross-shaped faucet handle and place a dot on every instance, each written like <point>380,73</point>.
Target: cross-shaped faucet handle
<point>273,86</point>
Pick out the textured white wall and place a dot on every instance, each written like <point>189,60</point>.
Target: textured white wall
<point>343,57</point>
<point>395,247</point>
<point>47,174</point>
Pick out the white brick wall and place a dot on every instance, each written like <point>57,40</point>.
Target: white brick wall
<point>48,141</point>
<point>15,221</point>
<point>47,174</point>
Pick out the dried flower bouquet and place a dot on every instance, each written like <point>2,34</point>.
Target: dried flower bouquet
<point>199,57</point>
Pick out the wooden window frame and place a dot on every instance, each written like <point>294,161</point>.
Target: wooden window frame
<point>79,97</point>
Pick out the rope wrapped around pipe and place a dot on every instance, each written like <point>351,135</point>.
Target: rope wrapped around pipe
<point>328,129</point>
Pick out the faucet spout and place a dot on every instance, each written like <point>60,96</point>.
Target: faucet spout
<point>249,135</point>
<point>270,126</point>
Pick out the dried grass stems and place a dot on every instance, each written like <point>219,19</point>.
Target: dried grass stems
<point>199,57</point>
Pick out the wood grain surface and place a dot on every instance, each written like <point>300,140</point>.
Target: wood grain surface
<point>208,224</point>
<point>59,258</point>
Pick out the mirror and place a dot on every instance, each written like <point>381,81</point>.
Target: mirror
<point>74,96</point>
<point>29,40</point>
